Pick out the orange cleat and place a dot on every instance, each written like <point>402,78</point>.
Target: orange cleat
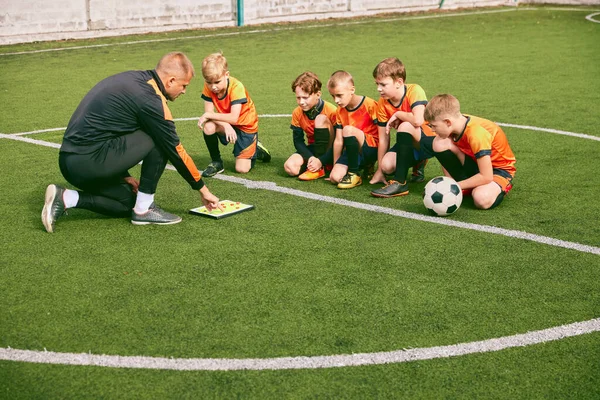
<point>311,176</point>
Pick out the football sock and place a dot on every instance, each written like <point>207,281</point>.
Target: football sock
<point>321,141</point>
<point>143,202</point>
<point>212,143</point>
<point>351,145</point>
<point>70,198</point>
<point>452,164</point>
<point>404,155</point>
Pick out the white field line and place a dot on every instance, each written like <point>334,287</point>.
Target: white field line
<point>272,186</point>
<point>591,17</point>
<point>281,363</point>
<point>298,27</point>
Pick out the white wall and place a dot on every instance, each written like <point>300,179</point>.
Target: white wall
<point>39,20</point>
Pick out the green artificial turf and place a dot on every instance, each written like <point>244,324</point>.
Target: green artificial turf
<point>303,277</point>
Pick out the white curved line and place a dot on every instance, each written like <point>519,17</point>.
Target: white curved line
<point>590,17</point>
<point>281,363</point>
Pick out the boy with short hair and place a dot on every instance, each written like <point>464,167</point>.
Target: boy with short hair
<point>474,151</point>
<point>401,107</point>
<point>356,136</point>
<point>230,117</point>
<point>314,117</point>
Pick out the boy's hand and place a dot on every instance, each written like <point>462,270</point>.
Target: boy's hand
<point>202,121</point>
<point>314,164</point>
<point>393,123</point>
<point>378,177</point>
<point>230,135</point>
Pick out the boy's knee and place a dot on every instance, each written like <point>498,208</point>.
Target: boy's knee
<point>242,169</point>
<point>484,197</point>
<point>291,168</point>
<point>321,121</point>
<point>210,128</point>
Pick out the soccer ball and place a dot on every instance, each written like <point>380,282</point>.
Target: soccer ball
<point>442,196</point>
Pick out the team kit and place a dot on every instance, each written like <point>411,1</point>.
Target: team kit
<point>125,120</point>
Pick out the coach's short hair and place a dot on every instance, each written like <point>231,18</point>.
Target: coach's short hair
<point>174,63</point>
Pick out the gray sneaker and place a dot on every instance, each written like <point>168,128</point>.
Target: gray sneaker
<point>54,206</point>
<point>215,167</point>
<point>154,215</point>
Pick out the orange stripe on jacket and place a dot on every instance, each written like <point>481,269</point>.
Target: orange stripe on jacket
<point>189,163</point>
<point>168,115</point>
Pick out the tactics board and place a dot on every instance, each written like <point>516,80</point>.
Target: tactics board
<point>230,208</point>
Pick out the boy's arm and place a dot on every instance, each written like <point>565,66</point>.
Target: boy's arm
<point>485,175</point>
<point>299,143</point>
<point>231,117</point>
<point>209,107</point>
<point>414,117</point>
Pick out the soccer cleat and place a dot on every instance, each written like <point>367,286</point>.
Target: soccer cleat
<point>311,176</point>
<point>392,189</point>
<point>215,167</point>
<point>54,206</point>
<point>154,215</point>
<point>418,172</point>
<point>263,153</point>
<point>508,188</point>
<point>349,181</point>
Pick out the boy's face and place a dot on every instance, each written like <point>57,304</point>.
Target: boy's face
<point>342,93</point>
<point>217,85</point>
<point>389,88</point>
<point>441,126</point>
<point>306,101</point>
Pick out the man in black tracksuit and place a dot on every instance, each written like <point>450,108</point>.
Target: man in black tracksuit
<point>123,120</point>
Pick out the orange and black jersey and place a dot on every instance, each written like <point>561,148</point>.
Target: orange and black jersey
<point>122,104</point>
<point>482,137</point>
<point>363,117</point>
<point>236,93</point>
<point>414,96</point>
<point>304,123</point>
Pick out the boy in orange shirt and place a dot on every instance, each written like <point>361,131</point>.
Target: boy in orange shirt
<point>400,107</point>
<point>315,118</point>
<point>230,117</point>
<point>474,151</point>
<point>356,136</point>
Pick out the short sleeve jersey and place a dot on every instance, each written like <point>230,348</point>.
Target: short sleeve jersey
<point>302,121</point>
<point>482,137</point>
<point>363,117</point>
<point>414,95</point>
<point>236,93</point>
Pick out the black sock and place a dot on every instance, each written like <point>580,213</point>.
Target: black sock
<point>212,143</point>
<point>351,145</point>
<point>452,164</point>
<point>405,156</point>
<point>321,141</point>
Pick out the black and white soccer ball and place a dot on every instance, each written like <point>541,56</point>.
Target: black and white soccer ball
<point>442,196</point>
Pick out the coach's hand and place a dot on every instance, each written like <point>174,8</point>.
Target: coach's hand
<point>134,183</point>
<point>210,200</point>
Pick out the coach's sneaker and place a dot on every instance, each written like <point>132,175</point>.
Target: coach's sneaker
<point>392,189</point>
<point>262,152</point>
<point>215,167</point>
<point>418,172</point>
<point>154,215</point>
<point>349,181</point>
<point>54,206</point>
<point>311,176</point>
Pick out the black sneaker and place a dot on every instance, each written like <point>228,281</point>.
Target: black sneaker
<point>392,189</point>
<point>154,215</point>
<point>418,172</point>
<point>54,206</point>
<point>262,152</point>
<point>215,167</point>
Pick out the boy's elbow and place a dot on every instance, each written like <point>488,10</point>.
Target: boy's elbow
<point>419,121</point>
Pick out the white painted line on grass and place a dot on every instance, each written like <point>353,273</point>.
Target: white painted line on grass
<point>283,363</point>
<point>291,28</point>
<point>591,17</point>
<point>266,185</point>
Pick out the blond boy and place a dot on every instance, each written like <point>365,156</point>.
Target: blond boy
<point>356,135</point>
<point>229,117</point>
<point>474,151</point>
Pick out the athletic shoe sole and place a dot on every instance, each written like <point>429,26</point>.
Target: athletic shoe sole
<point>46,211</point>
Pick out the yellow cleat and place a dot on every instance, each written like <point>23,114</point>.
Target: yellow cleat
<point>349,181</point>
